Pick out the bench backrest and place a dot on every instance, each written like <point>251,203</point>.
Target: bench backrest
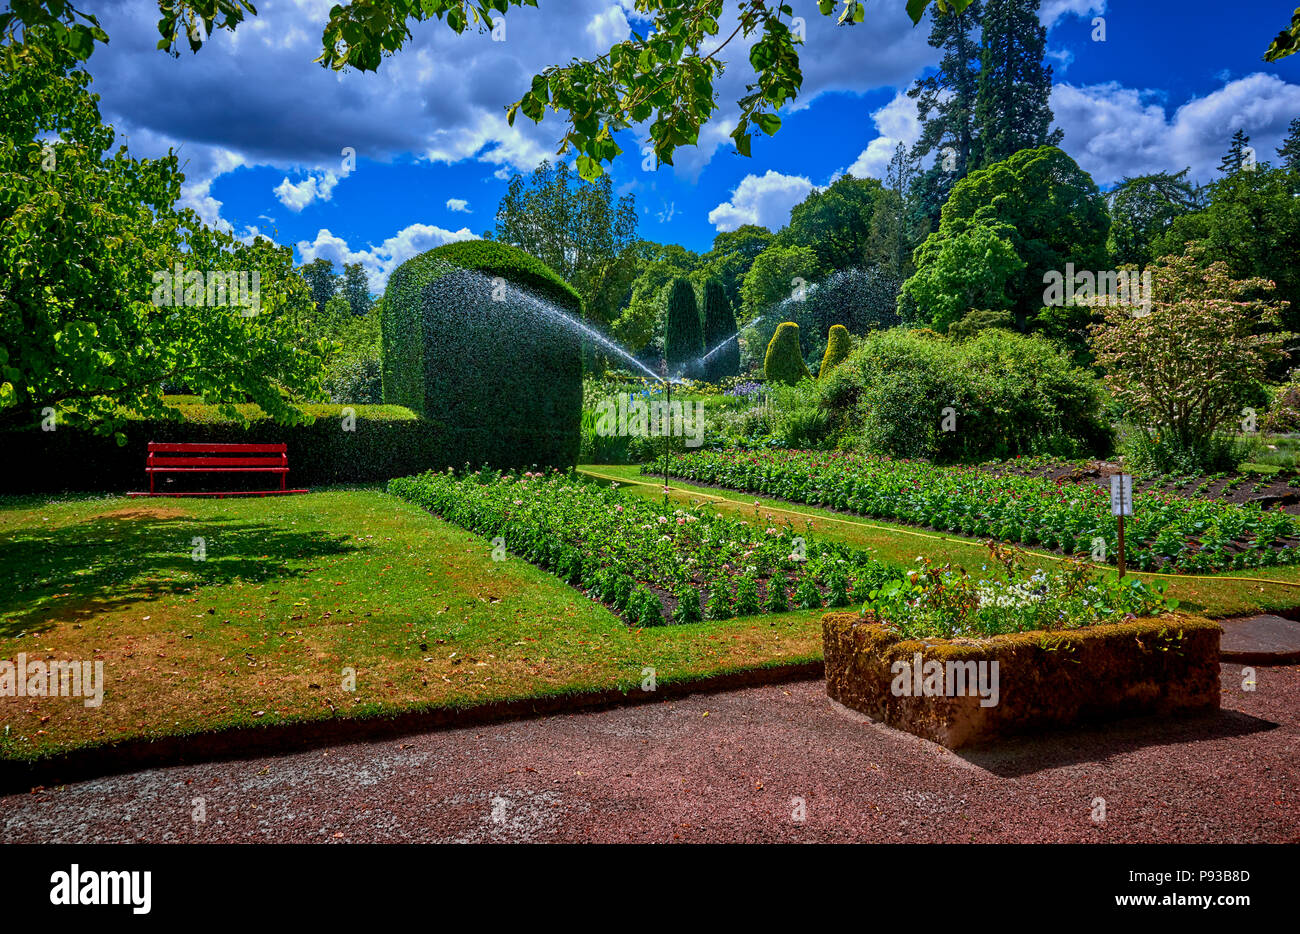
<point>197,454</point>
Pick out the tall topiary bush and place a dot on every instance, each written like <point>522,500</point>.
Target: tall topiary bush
<point>683,337</point>
<point>473,338</point>
<point>783,362</point>
<point>719,328</point>
<point>838,345</point>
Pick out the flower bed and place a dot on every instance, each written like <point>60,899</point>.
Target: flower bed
<point>945,602</point>
<point>651,563</point>
<point>963,692</point>
<point>1166,531</point>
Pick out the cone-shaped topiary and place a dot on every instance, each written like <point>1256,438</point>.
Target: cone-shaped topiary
<point>838,345</point>
<point>683,337</point>
<point>783,362</point>
<point>719,328</point>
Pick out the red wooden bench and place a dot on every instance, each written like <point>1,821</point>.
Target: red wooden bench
<point>192,458</point>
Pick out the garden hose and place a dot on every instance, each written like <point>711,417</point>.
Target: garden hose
<point>931,535</point>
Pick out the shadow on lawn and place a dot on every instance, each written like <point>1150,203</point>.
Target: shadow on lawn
<point>1024,756</point>
<point>109,562</point>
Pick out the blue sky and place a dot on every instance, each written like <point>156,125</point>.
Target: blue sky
<point>262,129</point>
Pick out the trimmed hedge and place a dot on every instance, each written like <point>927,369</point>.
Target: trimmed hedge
<point>492,376</point>
<point>783,362</point>
<point>386,441</point>
<point>719,324</point>
<point>683,336</point>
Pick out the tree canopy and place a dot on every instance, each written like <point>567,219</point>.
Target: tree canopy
<point>1049,209</point>
<point>112,293</point>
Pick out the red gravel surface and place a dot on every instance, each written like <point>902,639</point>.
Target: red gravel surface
<point>769,764</point>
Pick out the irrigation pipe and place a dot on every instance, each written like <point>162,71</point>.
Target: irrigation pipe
<point>938,538</point>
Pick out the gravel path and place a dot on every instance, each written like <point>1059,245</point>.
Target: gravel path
<point>743,766</point>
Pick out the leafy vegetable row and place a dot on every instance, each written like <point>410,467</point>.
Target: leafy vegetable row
<point>1166,531</point>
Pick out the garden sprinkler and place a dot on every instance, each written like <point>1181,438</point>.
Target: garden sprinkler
<point>667,435</point>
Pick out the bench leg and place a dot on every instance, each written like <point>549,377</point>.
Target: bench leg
<point>282,479</point>
<point>151,483</point>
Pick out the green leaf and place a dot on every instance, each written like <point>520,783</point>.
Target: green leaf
<point>768,123</point>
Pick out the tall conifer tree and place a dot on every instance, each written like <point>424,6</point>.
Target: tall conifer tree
<point>1289,151</point>
<point>945,104</point>
<point>1011,105</point>
<point>1236,157</point>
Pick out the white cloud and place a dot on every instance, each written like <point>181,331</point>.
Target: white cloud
<point>458,204</point>
<point>608,27</point>
<point>379,261</point>
<point>761,199</point>
<point>297,195</point>
<point>896,123</point>
<point>1114,131</point>
<point>1052,11</point>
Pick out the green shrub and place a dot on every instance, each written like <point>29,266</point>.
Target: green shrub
<point>719,605</point>
<point>688,605</point>
<point>359,382</point>
<point>776,596</point>
<point>838,346</point>
<point>384,441</point>
<point>1007,394</point>
<point>798,417</point>
<point>719,324</point>
<point>497,377</point>
<point>783,362</point>
<point>806,594</point>
<point>981,319</point>
<point>683,336</point>
<point>747,603</point>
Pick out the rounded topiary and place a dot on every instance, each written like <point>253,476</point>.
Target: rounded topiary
<point>838,345</point>
<point>719,329</point>
<point>783,362</point>
<point>683,337</point>
<point>476,337</point>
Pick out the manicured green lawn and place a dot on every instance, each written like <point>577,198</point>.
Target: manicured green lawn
<point>1219,595</point>
<point>292,591</point>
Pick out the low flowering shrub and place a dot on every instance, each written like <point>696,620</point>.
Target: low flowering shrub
<point>647,561</point>
<point>1166,531</point>
<point>946,602</point>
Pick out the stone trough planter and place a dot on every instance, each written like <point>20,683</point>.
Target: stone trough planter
<point>966,691</point>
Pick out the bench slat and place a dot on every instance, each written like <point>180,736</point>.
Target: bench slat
<point>216,469</point>
<point>217,461</point>
<point>196,447</point>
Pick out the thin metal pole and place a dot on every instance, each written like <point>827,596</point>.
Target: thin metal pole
<point>668,408</point>
<point>1120,559</point>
